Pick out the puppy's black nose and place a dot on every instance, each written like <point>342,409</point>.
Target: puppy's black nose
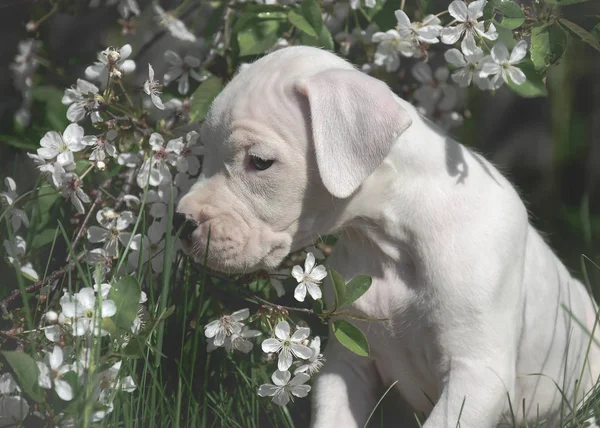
<point>187,227</point>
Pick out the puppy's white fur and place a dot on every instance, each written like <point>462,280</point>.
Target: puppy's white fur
<point>473,295</point>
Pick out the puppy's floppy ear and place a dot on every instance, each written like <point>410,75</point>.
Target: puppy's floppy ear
<point>355,121</point>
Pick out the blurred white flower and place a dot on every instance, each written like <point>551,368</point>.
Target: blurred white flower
<point>240,340</point>
<point>152,87</point>
<point>16,215</point>
<point>283,388</point>
<point>156,169</point>
<point>149,248</point>
<point>51,372</point>
<point>188,160</point>
<point>225,326</point>
<point>389,47</point>
<point>13,407</point>
<point>182,69</point>
<point>111,60</point>
<point>315,362</point>
<point>53,145</point>
<point>86,317</point>
<point>308,279</point>
<point>468,68</point>
<point>111,233</point>
<point>81,101</point>
<point>467,17</point>
<point>70,188</point>
<point>16,254</point>
<point>427,31</point>
<point>355,4</point>
<point>175,26</point>
<point>288,346</point>
<point>434,92</point>
<point>501,67</point>
<point>109,382</point>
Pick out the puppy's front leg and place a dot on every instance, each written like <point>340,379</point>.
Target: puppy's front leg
<point>474,394</point>
<point>345,391</point>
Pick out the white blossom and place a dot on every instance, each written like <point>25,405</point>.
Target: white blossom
<point>225,326</point>
<point>51,372</point>
<point>468,25</point>
<point>501,67</point>
<point>175,26</point>
<point>85,315</point>
<point>54,145</point>
<point>288,346</point>
<point>70,188</point>
<point>149,248</point>
<point>283,388</point>
<point>427,31</point>
<point>101,146</point>
<point>111,233</point>
<point>156,168</point>
<point>315,362</point>
<point>16,215</point>
<point>81,100</point>
<point>309,278</point>
<point>468,68</point>
<point>152,88</point>
<point>181,70</point>
<point>15,252</point>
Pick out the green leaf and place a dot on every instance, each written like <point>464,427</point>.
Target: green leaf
<point>339,287</point>
<point>356,288</point>
<point>534,85</point>
<point>311,11</point>
<point>324,41</point>
<point>581,33</point>
<point>203,98</point>
<point>55,110</point>
<point>299,21</point>
<point>126,295</point>
<point>505,13</point>
<point>548,43</point>
<point>351,337</point>
<point>43,238</point>
<point>596,32</point>
<point>41,207</point>
<point>258,35</point>
<point>19,143</point>
<point>27,373</point>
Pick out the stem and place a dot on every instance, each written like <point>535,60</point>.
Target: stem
<point>48,15</point>
<point>126,95</point>
<point>402,3</point>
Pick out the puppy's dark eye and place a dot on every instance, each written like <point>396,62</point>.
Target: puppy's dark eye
<point>260,164</point>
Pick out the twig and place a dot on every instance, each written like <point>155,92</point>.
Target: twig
<point>244,279</point>
<point>10,302</point>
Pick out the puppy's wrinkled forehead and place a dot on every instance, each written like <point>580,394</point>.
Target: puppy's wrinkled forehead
<point>262,99</point>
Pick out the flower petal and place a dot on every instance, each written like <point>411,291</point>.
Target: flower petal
<point>240,315</point>
<point>271,345</point>
<point>459,11</point>
<point>314,290</point>
<point>281,377</point>
<point>282,330</point>
<point>516,75</point>
<point>268,390</point>
<point>301,351</point>
<point>300,334</point>
<point>63,389</point>
<point>300,292</point>
<point>499,53</point>
<point>285,359</point>
<point>518,52</point>
<point>450,35</point>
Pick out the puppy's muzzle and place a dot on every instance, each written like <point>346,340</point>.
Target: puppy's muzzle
<point>187,227</point>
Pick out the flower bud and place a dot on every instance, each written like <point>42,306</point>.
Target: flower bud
<point>101,166</point>
<point>51,317</point>
<point>113,56</point>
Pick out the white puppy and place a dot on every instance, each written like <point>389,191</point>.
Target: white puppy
<point>300,144</point>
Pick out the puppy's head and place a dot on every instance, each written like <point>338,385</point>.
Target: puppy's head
<point>287,143</point>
